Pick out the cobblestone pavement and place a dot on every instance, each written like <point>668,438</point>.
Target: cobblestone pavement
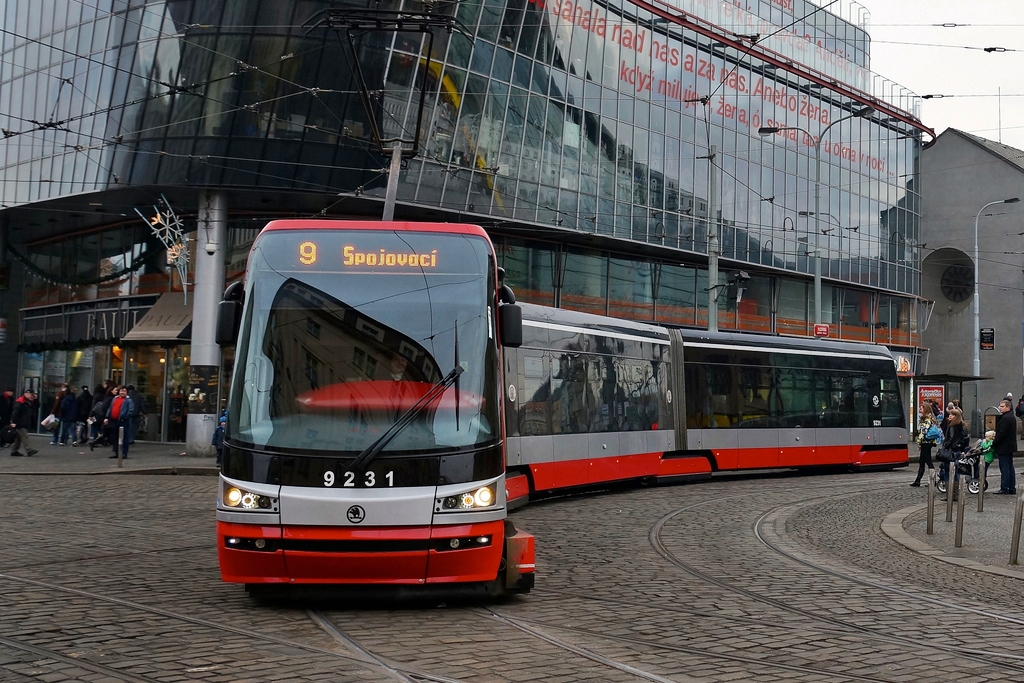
<point>764,578</point>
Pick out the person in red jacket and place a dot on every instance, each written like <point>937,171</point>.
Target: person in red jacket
<point>119,414</point>
<point>22,418</point>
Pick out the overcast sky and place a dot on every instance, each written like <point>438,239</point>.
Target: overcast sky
<point>904,41</point>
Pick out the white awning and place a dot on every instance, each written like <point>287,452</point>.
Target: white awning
<point>169,320</point>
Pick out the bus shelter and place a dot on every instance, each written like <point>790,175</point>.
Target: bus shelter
<point>944,388</point>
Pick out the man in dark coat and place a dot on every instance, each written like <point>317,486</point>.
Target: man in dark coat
<point>119,414</point>
<point>139,408</point>
<point>100,403</point>
<point>55,411</point>
<point>84,407</point>
<point>68,417</point>
<point>6,406</point>
<point>1004,446</point>
<point>23,417</point>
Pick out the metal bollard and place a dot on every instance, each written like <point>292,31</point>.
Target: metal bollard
<point>120,444</point>
<point>931,502</point>
<point>1015,541</point>
<point>982,483</point>
<point>961,481</point>
<point>950,491</point>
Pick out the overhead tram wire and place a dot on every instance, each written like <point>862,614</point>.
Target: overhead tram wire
<point>172,89</point>
<point>758,39</point>
<point>707,99</point>
<point>206,158</point>
<point>952,47</point>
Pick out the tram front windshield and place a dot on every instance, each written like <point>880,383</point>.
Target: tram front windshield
<point>346,332</point>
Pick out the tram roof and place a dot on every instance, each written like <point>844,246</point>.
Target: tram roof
<point>600,323</point>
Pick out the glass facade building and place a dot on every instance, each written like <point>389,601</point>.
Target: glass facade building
<point>579,134</point>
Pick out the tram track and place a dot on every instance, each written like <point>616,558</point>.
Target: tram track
<point>78,662</point>
<point>1009,662</point>
<point>120,674</point>
<point>532,627</point>
<point>618,651</point>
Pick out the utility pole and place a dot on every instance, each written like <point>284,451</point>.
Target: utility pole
<point>713,245</point>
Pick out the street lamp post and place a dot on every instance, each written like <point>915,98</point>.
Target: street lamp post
<point>769,130</point>
<point>977,300</point>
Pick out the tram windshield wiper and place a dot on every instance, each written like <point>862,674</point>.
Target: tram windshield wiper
<point>374,449</point>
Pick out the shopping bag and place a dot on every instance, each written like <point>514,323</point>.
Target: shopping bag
<point>50,422</point>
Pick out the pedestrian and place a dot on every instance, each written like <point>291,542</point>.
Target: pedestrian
<point>140,407</point>
<point>955,438</point>
<point>1019,412</point>
<point>218,438</point>
<point>928,436</point>
<point>96,413</point>
<point>68,417</point>
<point>986,453</point>
<point>81,419</point>
<point>55,411</point>
<point>22,419</point>
<point>119,415</point>
<point>100,405</point>
<point>1005,444</point>
<point>6,406</point>
<point>944,419</point>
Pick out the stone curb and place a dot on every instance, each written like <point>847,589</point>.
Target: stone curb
<point>892,526</point>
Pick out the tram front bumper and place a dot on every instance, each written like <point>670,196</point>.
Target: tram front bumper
<point>373,555</point>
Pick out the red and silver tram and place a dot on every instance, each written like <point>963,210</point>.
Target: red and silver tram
<point>592,399</point>
<point>390,402</point>
<point>365,436</point>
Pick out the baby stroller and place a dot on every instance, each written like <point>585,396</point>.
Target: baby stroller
<point>965,465</point>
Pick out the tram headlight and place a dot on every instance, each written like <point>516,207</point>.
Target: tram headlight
<point>235,497</point>
<point>483,497</point>
<point>476,499</point>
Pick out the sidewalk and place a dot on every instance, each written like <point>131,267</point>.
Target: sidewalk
<point>986,539</point>
<point>144,457</point>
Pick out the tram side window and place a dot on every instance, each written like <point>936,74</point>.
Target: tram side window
<point>535,402</point>
<point>757,388</point>
<point>725,397</point>
<point>797,396</point>
<point>891,403</point>
<point>639,394</point>
<point>698,400</point>
<point>575,403</point>
<point>601,388</point>
<point>712,396</point>
<point>863,390</point>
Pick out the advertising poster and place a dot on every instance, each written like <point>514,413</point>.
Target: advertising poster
<point>202,389</point>
<point>936,392</point>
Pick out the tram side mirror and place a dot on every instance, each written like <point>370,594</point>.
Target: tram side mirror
<point>229,315</point>
<point>510,321</point>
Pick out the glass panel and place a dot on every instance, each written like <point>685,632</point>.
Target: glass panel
<point>630,290</point>
<point>677,295</point>
<point>529,271</point>
<point>586,282</point>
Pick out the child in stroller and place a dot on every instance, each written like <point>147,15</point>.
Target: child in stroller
<point>966,465</point>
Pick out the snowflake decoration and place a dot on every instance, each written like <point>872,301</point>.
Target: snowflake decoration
<point>168,228</point>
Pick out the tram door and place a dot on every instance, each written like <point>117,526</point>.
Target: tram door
<point>529,406</point>
<point>797,411</point>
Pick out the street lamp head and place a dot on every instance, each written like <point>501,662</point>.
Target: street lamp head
<point>864,112</point>
<point>1012,200</point>
<point>768,130</point>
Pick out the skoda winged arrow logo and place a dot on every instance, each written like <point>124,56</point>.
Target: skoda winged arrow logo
<point>356,514</point>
